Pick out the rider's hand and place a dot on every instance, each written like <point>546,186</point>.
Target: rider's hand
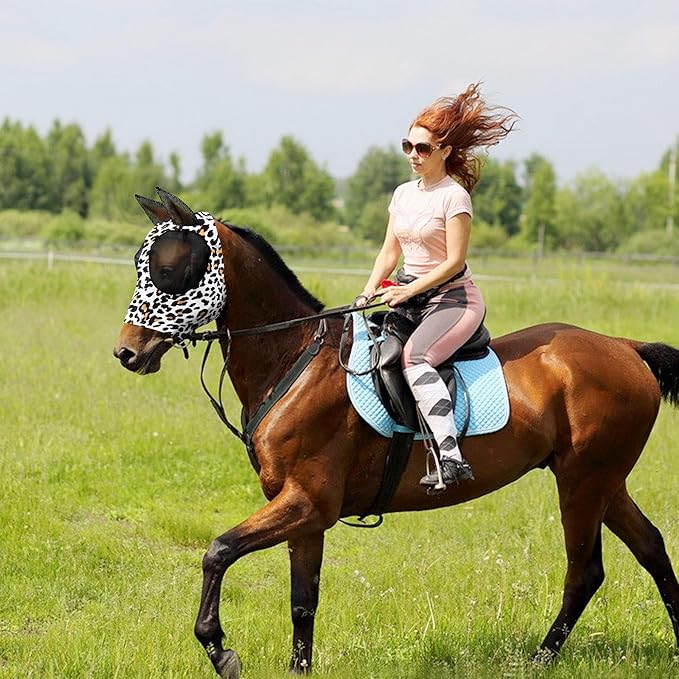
<point>361,300</point>
<point>396,294</point>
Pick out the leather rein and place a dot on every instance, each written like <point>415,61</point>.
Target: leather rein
<point>286,381</point>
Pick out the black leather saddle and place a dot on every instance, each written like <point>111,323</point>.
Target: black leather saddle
<point>390,383</point>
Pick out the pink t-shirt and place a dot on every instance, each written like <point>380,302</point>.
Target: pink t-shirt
<point>420,222</point>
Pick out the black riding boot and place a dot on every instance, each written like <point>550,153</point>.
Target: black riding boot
<point>452,471</point>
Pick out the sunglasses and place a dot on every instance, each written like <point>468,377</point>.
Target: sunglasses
<point>422,148</point>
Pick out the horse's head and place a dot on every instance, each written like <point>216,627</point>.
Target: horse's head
<point>180,283</point>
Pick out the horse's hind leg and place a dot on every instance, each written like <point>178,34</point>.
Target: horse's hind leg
<point>644,540</point>
<point>306,556</point>
<point>581,514</point>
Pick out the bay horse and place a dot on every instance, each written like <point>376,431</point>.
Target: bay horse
<point>582,404</point>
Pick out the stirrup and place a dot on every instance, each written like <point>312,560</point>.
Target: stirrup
<point>440,485</point>
<point>432,454</point>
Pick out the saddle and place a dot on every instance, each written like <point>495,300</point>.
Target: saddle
<point>390,383</point>
<point>385,335</point>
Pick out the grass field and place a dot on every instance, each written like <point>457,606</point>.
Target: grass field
<point>113,486</point>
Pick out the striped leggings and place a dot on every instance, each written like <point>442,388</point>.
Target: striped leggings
<point>444,324</point>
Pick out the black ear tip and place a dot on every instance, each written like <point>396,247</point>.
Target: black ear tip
<point>154,210</point>
<point>179,210</point>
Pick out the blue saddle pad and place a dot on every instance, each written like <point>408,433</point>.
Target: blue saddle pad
<point>488,398</point>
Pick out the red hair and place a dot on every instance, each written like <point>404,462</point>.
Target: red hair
<point>465,123</point>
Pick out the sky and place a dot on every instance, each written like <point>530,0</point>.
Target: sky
<point>595,82</point>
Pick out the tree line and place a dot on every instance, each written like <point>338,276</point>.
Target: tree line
<point>517,204</point>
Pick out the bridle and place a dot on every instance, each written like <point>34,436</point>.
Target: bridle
<point>210,335</point>
<point>288,379</point>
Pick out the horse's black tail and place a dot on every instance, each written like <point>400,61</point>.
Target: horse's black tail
<point>663,361</point>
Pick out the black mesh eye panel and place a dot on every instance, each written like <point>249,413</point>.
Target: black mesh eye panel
<point>178,261</point>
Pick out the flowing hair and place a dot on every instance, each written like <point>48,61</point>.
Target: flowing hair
<point>466,123</point>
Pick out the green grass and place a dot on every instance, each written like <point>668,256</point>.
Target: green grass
<point>114,485</point>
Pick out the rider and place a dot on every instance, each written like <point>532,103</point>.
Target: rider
<point>430,224</point>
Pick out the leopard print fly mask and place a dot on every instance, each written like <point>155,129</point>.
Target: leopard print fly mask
<point>195,296</point>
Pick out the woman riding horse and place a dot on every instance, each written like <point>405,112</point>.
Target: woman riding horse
<point>582,404</point>
<point>430,223</point>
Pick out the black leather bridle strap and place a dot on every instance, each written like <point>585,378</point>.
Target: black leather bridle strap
<point>217,403</point>
<point>283,387</point>
<point>209,335</point>
<point>270,401</point>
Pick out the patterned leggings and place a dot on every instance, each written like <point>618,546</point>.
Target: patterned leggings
<point>445,323</point>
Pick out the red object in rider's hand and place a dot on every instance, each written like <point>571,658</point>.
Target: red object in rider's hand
<point>386,283</point>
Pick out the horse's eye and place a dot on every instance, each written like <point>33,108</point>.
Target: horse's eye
<point>177,261</point>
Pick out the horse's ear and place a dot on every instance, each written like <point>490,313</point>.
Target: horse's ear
<point>154,210</point>
<point>182,214</point>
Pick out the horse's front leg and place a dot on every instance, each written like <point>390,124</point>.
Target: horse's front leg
<point>289,516</point>
<point>306,555</point>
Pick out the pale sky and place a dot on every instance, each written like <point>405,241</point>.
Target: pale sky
<point>596,82</point>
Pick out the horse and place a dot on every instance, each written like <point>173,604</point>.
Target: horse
<point>582,404</point>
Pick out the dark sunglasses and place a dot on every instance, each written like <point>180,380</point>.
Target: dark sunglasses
<point>422,148</point>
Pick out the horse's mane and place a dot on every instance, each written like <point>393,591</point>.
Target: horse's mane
<point>276,262</point>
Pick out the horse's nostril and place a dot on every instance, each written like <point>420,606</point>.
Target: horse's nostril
<point>125,355</point>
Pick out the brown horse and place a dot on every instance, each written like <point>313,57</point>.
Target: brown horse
<point>582,404</point>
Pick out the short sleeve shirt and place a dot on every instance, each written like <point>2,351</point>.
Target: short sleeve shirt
<point>420,221</point>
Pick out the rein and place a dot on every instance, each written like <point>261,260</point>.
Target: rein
<point>209,336</point>
<point>286,382</point>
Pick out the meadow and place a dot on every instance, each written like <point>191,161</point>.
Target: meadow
<point>113,485</point>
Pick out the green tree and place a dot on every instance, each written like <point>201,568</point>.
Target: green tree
<point>530,167</point>
<point>175,185</point>
<point>102,149</point>
<point>372,222</point>
<point>24,168</point>
<point>213,149</point>
<point>539,210</point>
<point>147,172</point>
<point>645,202</point>
<point>117,179</point>
<point>292,179</point>
<point>255,190</point>
<point>69,168</point>
<point>498,197</point>
<point>647,199</point>
<point>220,183</point>
<point>112,193</point>
<point>379,172</point>
<point>590,215</point>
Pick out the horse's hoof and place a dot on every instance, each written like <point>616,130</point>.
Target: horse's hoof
<point>229,665</point>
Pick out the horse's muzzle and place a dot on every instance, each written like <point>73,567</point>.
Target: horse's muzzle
<point>140,350</point>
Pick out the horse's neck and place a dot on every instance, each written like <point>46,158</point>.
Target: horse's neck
<point>258,362</point>
<point>257,295</point>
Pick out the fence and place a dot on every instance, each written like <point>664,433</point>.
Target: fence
<point>488,264</point>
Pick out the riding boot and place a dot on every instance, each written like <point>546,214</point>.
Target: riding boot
<point>436,408</point>
<point>452,471</point>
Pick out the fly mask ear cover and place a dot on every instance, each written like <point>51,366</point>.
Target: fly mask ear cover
<point>179,314</point>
